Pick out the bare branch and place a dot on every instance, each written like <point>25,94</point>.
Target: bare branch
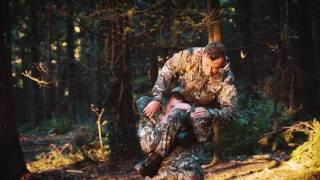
<point>42,68</point>
<point>40,82</point>
<point>100,122</point>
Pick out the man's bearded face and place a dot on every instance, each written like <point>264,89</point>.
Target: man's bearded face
<point>211,67</point>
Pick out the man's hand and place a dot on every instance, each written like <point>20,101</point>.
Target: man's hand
<point>151,108</point>
<point>200,112</point>
<point>182,106</point>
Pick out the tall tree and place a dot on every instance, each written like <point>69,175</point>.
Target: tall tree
<point>11,158</point>
<point>214,35</point>
<point>122,126</point>
<point>298,62</point>
<point>247,48</point>
<point>214,23</point>
<point>47,93</point>
<point>71,63</point>
<point>35,58</point>
<point>303,54</point>
<point>153,66</point>
<point>93,62</point>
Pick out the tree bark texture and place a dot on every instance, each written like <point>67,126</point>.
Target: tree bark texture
<point>35,56</point>
<point>11,158</point>
<point>72,89</point>
<point>123,138</point>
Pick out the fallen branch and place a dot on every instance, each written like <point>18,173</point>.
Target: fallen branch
<point>74,171</point>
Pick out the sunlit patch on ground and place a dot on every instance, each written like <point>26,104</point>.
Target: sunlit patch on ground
<point>239,169</point>
<point>57,157</point>
<point>304,163</point>
<point>48,152</point>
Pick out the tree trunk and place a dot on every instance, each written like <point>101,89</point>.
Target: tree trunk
<point>92,63</point>
<point>307,59</point>
<point>12,163</point>
<point>316,40</point>
<point>153,69</point>
<point>303,82</point>
<point>214,25</point>
<point>277,59</point>
<point>48,94</point>
<point>244,17</point>
<point>153,52</point>
<point>27,84</point>
<point>123,136</point>
<point>72,98</point>
<point>35,56</point>
<point>58,91</point>
<point>214,35</point>
<point>210,25</point>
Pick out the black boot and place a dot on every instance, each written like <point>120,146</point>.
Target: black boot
<point>150,166</point>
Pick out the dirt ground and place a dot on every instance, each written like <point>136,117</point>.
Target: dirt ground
<point>269,166</point>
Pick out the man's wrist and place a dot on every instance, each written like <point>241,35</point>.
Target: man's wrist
<point>158,98</point>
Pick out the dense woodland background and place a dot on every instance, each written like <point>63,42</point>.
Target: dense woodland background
<point>63,62</point>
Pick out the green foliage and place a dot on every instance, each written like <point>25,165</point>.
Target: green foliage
<point>255,118</point>
<point>122,141</point>
<point>58,125</point>
<point>141,85</point>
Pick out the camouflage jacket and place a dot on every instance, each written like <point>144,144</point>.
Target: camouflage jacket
<point>184,71</point>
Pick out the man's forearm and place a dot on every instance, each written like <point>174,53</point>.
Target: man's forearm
<point>225,114</point>
<point>159,87</point>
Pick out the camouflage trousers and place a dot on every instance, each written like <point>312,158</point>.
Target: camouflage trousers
<point>178,163</point>
<point>182,164</point>
<point>156,137</point>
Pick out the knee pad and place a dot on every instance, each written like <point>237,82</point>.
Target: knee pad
<point>185,139</point>
<point>202,129</point>
<point>183,120</point>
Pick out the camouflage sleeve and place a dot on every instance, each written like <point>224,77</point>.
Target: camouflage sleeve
<point>168,73</point>
<point>227,99</point>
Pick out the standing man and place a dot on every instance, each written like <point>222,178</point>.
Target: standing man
<point>203,77</point>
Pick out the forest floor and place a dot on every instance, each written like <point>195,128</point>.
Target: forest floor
<point>35,147</point>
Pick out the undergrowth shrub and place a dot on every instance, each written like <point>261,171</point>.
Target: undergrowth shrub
<point>255,116</point>
<point>122,141</point>
<point>58,125</point>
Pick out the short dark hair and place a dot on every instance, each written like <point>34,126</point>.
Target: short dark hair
<point>215,50</point>
<point>177,96</point>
